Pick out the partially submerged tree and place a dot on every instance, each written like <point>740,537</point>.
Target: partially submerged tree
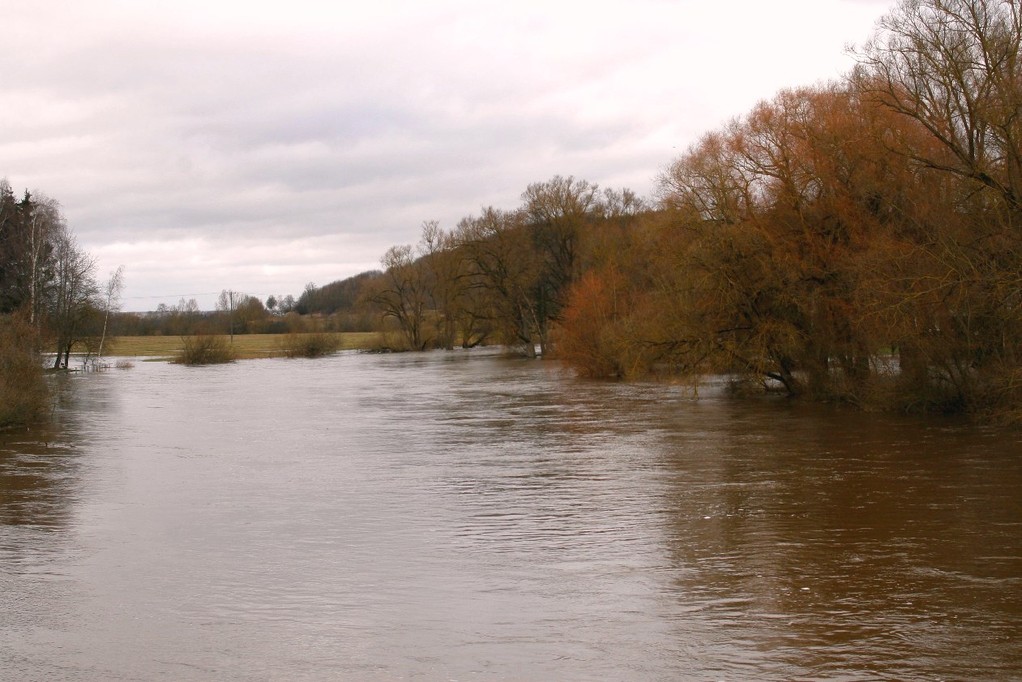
<point>505,272</point>
<point>74,292</point>
<point>402,294</point>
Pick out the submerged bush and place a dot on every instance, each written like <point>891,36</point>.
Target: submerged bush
<point>314,345</point>
<point>206,349</point>
<point>24,398</point>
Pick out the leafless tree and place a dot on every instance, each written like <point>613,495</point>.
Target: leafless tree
<point>111,301</point>
<point>954,66</point>
<point>74,291</point>
<point>402,294</point>
<point>227,303</point>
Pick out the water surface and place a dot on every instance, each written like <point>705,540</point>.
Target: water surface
<point>455,516</point>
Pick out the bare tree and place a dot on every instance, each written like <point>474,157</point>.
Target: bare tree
<point>227,303</point>
<point>557,212</point>
<point>447,281</point>
<point>402,294</point>
<point>111,301</point>
<point>74,290</point>
<point>505,269</point>
<point>954,66</point>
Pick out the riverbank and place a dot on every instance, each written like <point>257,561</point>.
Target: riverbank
<point>246,346</point>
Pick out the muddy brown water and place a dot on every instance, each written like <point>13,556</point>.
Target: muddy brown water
<point>464,516</point>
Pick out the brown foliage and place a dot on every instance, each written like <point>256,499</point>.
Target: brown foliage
<point>24,398</point>
<point>589,338</point>
<point>813,247</point>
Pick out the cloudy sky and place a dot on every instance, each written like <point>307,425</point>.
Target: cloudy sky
<point>259,145</point>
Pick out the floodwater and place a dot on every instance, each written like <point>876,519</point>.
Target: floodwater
<point>467,516</point>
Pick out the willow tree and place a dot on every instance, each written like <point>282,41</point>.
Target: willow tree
<point>782,225</point>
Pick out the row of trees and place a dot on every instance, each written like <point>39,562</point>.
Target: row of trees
<point>502,276</point>
<point>857,241</point>
<point>235,313</point>
<point>240,313</point>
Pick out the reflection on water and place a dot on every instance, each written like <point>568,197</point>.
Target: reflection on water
<point>465,515</point>
<point>36,481</point>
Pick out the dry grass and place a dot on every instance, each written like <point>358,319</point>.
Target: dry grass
<point>309,345</point>
<point>245,346</point>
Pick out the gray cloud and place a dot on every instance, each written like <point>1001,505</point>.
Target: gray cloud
<point>259,145</point>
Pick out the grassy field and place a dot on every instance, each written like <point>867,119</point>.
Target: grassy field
<point>245,345</point>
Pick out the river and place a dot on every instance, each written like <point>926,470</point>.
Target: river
<point>469,516</point>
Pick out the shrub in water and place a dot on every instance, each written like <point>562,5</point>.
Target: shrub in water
<point>309,345</point>
<point>23,395</point>
<point>205,349</point>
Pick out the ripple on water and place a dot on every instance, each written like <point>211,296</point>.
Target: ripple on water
<point>449,516</point>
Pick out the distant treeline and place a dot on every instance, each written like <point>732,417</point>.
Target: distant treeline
<point>338,307</point>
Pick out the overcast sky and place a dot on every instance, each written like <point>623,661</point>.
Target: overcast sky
<point>258,145</point>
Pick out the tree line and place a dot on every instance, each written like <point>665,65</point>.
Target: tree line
<point>336,307</point>
<point>502,276</point>
<point>858,241</point>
